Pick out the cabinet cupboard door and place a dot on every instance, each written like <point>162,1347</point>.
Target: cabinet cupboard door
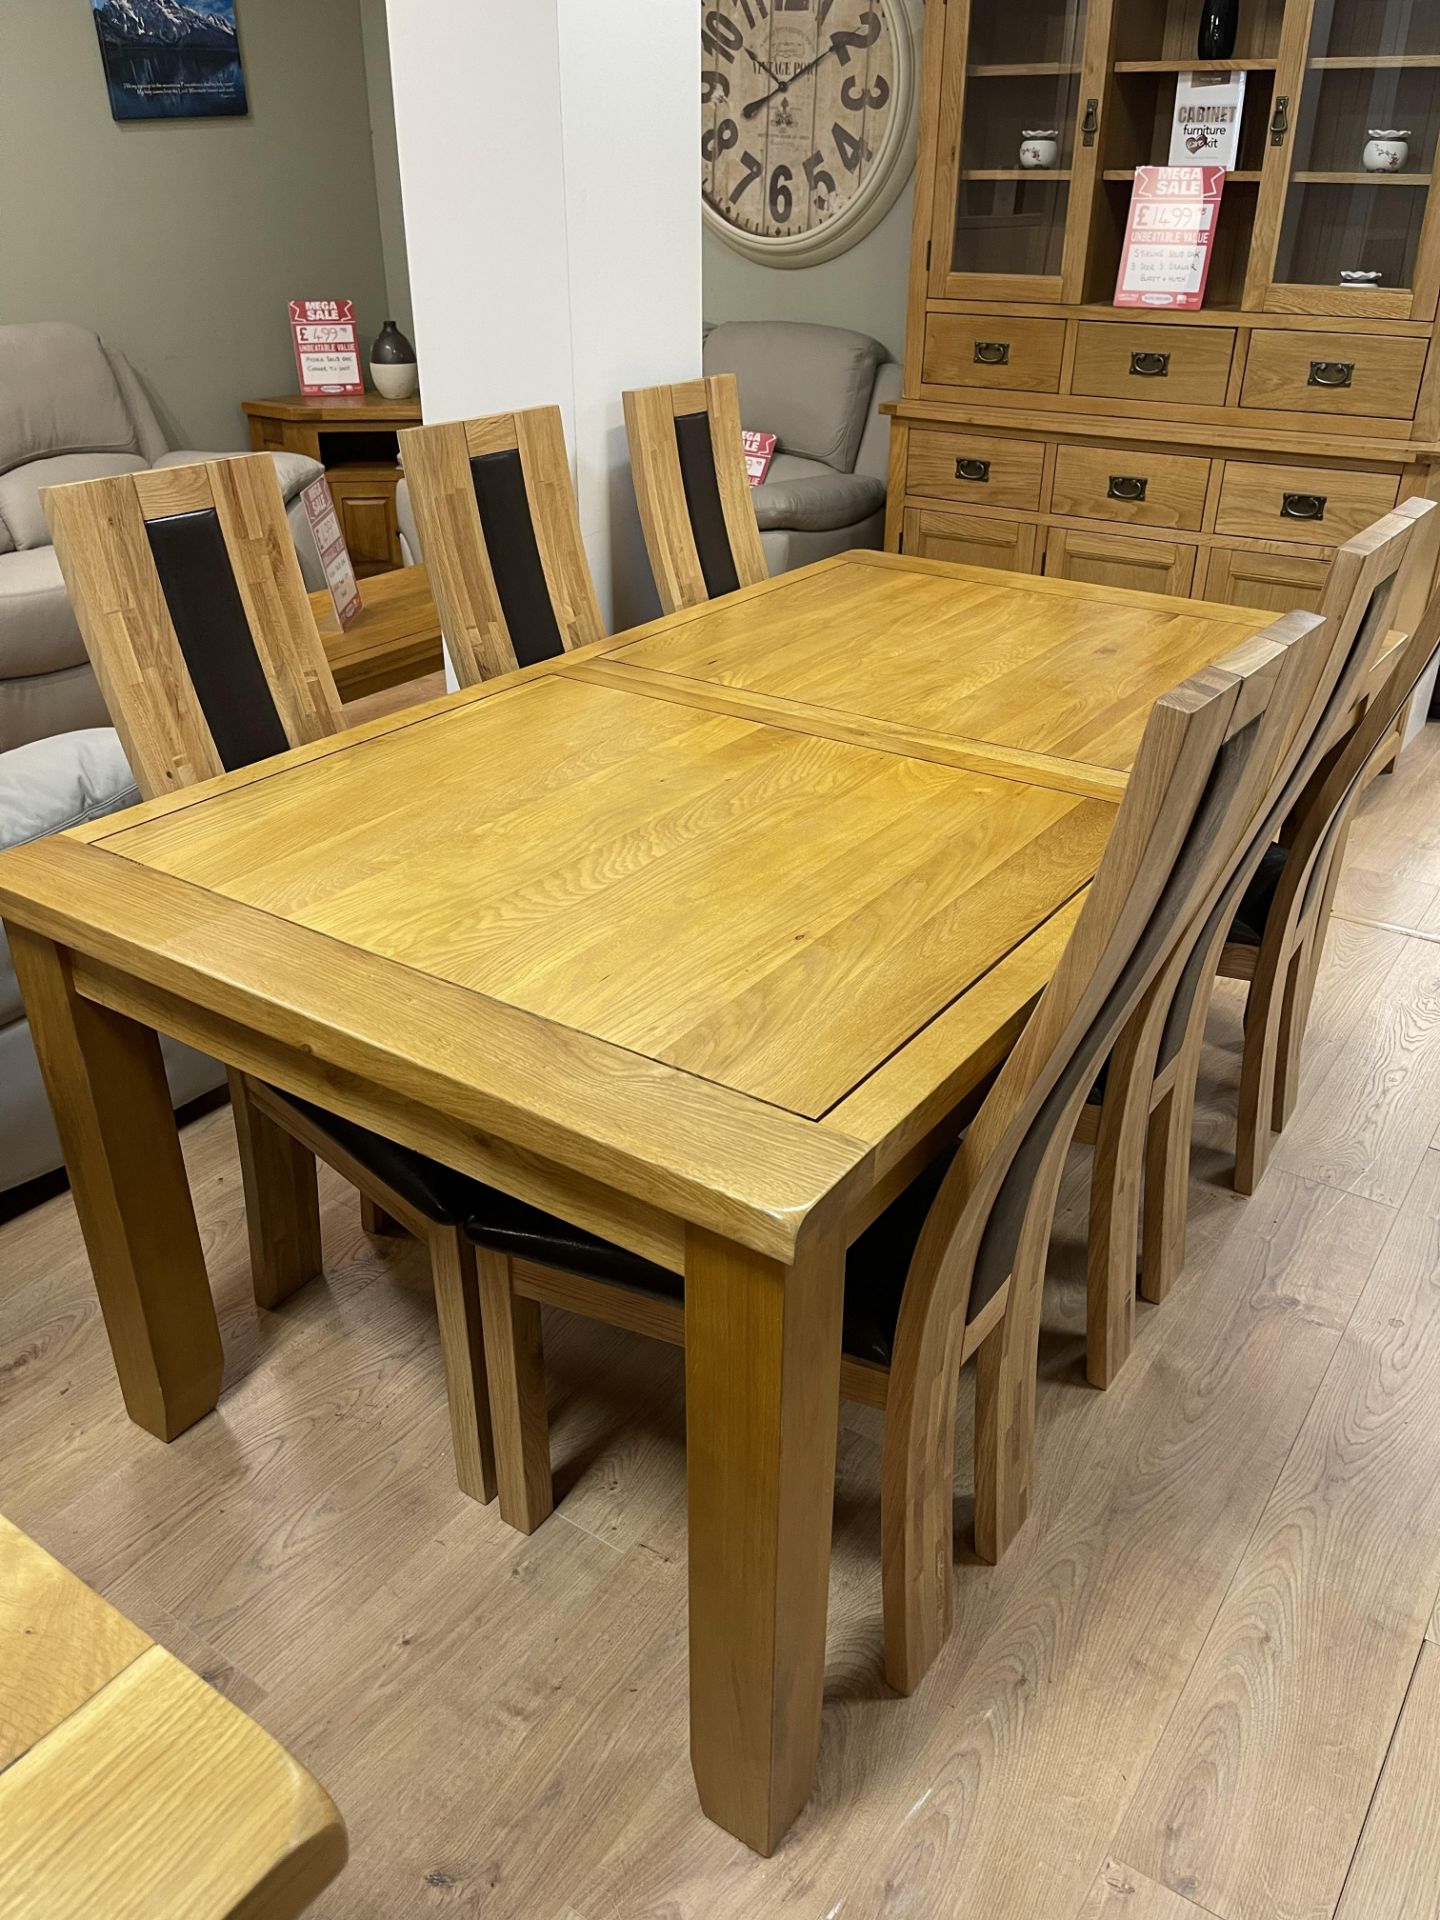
<point>1004,229</point>
<point>971,539</point>
<point>1347,67</point>
<point>1111,560</point>
<point>1275,582</point>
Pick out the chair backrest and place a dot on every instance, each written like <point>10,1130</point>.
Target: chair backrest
<point>1364,577</point>
<point>1204,761</point>
<point>190,600</point>
<point>688,464</point>
<point>500,531</point>
<point>1321,818</point>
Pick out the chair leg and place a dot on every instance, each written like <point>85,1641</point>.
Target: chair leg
<point>515,1360</point>
<point>1257,1077</point>
<point>1112,1245</point>
<point>282,1201</point>
<point>1006,1366</point>
<point>457,1303</point>
<point>917,1523</point>
<point>1290,1041</point>
<point>1167,1188</point>
<point>379,1224</point>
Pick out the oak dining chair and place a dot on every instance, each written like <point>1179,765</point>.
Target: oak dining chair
<point>500,530</point>
<point>1139,1116</point>
<point>196,620</point>
<point>688,464</point>
<point>954,1265</point>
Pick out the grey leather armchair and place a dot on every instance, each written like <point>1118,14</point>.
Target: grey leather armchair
<point>820,389</point>
<point>44,788</point>
<point>72,410</point>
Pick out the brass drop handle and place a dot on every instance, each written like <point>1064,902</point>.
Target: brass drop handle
<point>993,353</point>
<point>1150,366</point>
<point>1331,373</point>
<point>972,470</point>
<point>1127,486</point>
<point>1090,126</point>
<point>1280,121</point>
<point>1303,506</point>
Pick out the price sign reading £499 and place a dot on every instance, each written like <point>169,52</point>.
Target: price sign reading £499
<point>327,352</point>
<point>1170,236</point>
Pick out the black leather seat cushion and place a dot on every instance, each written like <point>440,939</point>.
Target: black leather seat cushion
<point>442,1195</point>
<point>1247,929</point>
<point>874,1271</point>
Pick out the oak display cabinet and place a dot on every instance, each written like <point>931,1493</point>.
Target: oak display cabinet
<point>1224,453</point>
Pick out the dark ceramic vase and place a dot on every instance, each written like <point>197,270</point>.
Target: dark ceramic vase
<point>392,364</point>
<point>1219,24</point>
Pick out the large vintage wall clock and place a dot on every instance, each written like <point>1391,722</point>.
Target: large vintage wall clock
<point>807,122</point>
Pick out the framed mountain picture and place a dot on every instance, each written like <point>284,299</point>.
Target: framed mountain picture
<point>170,59</point>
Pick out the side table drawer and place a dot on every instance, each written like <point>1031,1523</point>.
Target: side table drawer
<point>1321,506</point>
<point>1142,489</point>
<point>974,469</point>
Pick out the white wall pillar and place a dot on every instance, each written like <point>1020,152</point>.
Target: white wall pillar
<point>549,161</point>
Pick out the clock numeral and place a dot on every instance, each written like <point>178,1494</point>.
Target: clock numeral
<point>823,15</point>
<point>750,11</point>
<point>851,151</point>
<point>792,6</point>
<point>782,200</point>
<point>868,34</point>
<point>716,85</point>
<point>752,172</point>
<point>721,38</point>
<point>717,140</point>
<point>821,182</point>
<point>875,98</point>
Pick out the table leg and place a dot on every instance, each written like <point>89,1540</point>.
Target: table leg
<point>107,1087</point>
<point>762,1386</point>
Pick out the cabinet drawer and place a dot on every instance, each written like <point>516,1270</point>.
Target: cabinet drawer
<point>1188,366</point>
<point>1322,506</point>
<point>993,350</point>
<point>1271,582</point>
<point>1144,489</point>
<point>1110,560</point>
<point>971,539</point>
<point>975,469</point>
<point>1372,374</point>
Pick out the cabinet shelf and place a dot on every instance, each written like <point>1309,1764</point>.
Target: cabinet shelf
<point>1361,179</point>
<point>1015,173</point>
<point>1022,71</point>
<point>1365,62</point>
<point>1241,177</point>
<point>1196,66</point>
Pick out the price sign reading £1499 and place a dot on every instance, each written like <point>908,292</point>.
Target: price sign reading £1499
<point>327,352</point>
<point>1168,242</point>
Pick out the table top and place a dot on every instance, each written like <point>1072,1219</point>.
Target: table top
<point>370,407</point>
<point>721,925</point>
<point>119,1768</point>
<point>394,638</point>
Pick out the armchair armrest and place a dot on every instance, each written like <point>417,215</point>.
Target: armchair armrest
<point>874,455</point>
<point>48,786</point>
<point>293,470</point>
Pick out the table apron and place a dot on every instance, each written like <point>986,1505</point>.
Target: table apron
<point>652,1234</point>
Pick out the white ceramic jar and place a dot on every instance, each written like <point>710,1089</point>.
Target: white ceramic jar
<point>1360,277</point>
<point>1039,146</point>
<point>1387,149</point>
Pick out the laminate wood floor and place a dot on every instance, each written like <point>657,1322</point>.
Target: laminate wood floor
<point>1200,1683</point>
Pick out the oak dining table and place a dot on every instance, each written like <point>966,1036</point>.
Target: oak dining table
<point>698,937</point>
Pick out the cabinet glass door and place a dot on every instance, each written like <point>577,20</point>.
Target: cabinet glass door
<point>1020,82</point>
<point>1349,187</point>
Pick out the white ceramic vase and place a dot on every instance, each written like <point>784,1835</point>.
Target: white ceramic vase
<point>1387,150</point>
<point>395,381</point>
<point>1039,147</point>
